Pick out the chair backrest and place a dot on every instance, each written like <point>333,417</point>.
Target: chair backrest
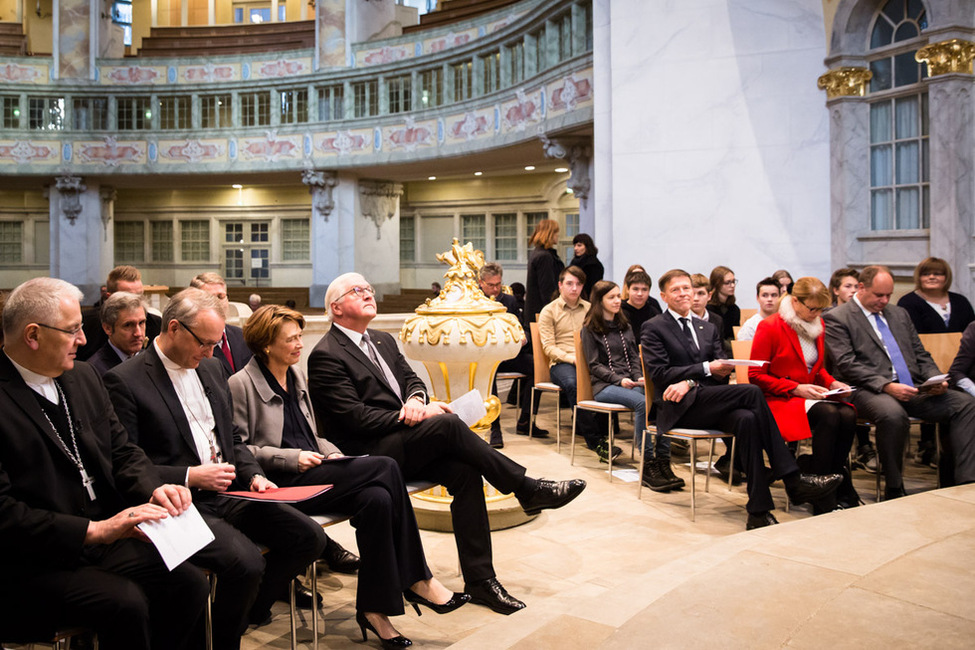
<point>539,358</point>
<point>942,347</point>
<point>735,329</point>
<point>647,387</point>
<point>583,380</point>
<point>741,350</point>
<point>747,313</point>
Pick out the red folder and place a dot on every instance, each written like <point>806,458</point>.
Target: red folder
<point>281,494</point>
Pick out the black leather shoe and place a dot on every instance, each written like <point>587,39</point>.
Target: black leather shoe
<point>303,597</point>
<point>894,493</point>
<point>551,494</point>
<point>813,487</point>
<point>537,432</point>
<point>491,594</point>
<point>722,465</point>
<point>760,521</point>
<point>455,602</point>
<point>338,559</point>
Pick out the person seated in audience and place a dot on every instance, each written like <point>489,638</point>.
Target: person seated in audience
<point>121,278</point>
<point>875,348</point>
<point>230,350</point>
<point>699,301</point>
<point>842,287</point>
<point>518,291</point>
<point>614,368</point>
<point>722,302</point>
<point>934,310</point>
<point>74,488</point>
<point>490,281</point>
<point>558,321</point>
<point>124,321</point>
<point>273,411</point>
<point>767,293</point>
<point>369,400</point>
<point>684,358</point>
<point>795,382</point>
<point>624,292</point>
<point>784,280</point>
<point>961,375</point>
<point>254,301</point>
<point>585,258</point>
<point>638,306</point>
<point>174,402</point>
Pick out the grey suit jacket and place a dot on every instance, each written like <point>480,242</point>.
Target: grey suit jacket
<point>259,414</point>
<point>858,355</point>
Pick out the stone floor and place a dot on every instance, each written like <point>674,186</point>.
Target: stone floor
<point>610,571</point>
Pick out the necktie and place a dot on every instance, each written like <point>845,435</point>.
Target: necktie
<point>381,364</point>
<point>225,348</point>
<point>894,351</point>
<point>685,325</point>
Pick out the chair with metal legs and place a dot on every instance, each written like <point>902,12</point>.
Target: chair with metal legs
<point>543,384</point>
<point>691,436</point>
<point>585,401</point>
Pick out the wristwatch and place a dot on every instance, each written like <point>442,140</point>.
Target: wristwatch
<point>691,383</point>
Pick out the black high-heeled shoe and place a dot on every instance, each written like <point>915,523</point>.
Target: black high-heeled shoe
<point>455,601</point>
<point>396,642</point>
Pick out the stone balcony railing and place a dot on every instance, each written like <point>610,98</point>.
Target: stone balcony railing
<point>554,93</point>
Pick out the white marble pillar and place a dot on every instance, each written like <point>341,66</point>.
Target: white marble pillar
<point>332,229</point>
<point>849,200</point>
<point>377,234</point>
<point>602,158</point>
<point>952,147</point>
<point>82,241</point>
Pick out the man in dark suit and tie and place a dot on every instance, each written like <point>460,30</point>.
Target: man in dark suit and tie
<point>121,278</point>
<point>368,400</point>
<point>124,321</point>
<point>73,488</point>
<point>874,346</point>
<point>684,360</point>
<point>231,350</point>
<point>174,401</point>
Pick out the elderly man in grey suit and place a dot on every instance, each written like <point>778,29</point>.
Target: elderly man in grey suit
<point>874,347</point>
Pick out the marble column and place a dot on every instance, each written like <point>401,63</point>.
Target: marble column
<point>377,234</point>
<point>602,159</point>
<point>332,217</point>
<point>951,88</point>
<point>849,133</point>
<point>82,242</point>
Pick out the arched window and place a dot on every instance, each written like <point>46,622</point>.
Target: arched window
<point>899,161</point>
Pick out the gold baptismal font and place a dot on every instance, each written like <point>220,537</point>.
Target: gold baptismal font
<point>461,336</point>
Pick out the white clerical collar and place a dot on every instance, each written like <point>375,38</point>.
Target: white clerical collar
<point>40,384</point>
<point>168,363</point>
<point>354,336</point>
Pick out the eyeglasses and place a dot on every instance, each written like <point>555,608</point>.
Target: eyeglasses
<point>203,344</point>
<point>71,332</point>
<point>730,283</point>
<point>361,292</point>
<point>814,310</point>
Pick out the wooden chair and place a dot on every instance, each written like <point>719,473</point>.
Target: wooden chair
<point>691,436</point>
<point>543,384</point>
<point>585,401</point>
<point>741,350</point>
<point>747,313</point>
<point>942,347</point>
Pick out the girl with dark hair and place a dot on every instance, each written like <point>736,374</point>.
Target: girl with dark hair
<point>722,301</point>
<point>614,366</point>
<point>585,258</point>
<point>544,267</point>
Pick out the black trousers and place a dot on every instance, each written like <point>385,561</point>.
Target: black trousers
<point>742,409</point>
<point>833,426</point>
<point>372,491</point>
<point>248,582</point>
<point>122,591</point>
<point>445,450</point>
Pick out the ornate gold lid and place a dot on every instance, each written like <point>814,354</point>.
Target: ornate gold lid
<point>461,293</point>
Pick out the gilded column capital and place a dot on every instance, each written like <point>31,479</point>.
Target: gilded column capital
<point>954,55</point>
<point>845,82</point>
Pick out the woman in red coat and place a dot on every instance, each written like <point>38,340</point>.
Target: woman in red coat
<point>795,382</point>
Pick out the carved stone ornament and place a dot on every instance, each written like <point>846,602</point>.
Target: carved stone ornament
<point>108,196</point>
<point>379,201</point>
<point>70,189</point>
<point>845,82</point>
<point>320,185</point>
<point>947,56</point>
<point>577,152</point>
